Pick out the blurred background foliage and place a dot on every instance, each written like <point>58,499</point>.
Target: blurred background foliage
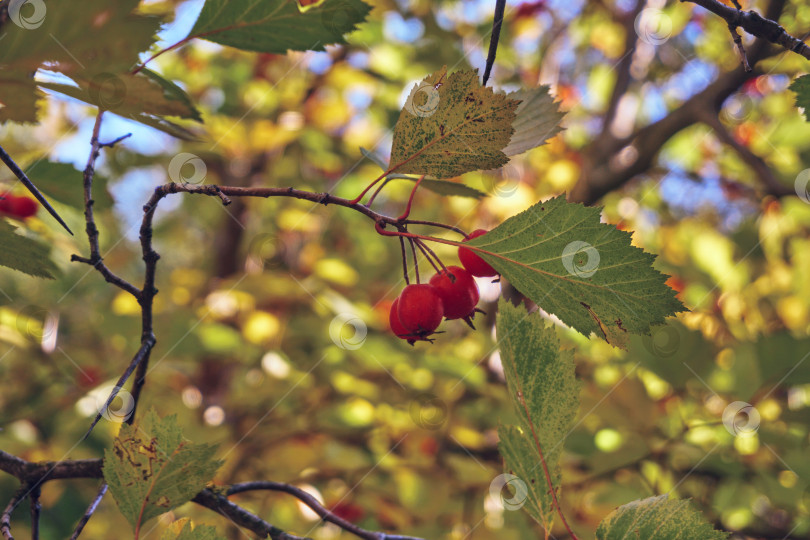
<point>403,438</point>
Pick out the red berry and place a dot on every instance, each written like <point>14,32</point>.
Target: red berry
<point>474,264</point>
<point>394,322</point>
<point>22,207</point>
<point>420,310</point>
<point>458,291</point>
<point>5,202</point>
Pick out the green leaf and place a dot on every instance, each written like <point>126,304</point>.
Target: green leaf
<point>184,529</point>
<point>129,95</point>
<point>657,518</point>
<point>25,254</point>
<point>151,469</point>
<point>446,187</point>
<point>64,183</point>
<point>542,383</point>
<point>276,26</point>
<point>802,88</point>
<point>451,125</point>
<point>537,119</point>
<point>100,37</point>
<point>586,272</point>
<point>18,99</point>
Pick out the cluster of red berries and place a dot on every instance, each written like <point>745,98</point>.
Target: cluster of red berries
<point>18,207</point>
<point>451,294</point>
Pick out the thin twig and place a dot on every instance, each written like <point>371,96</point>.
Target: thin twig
<point>5,519</point>
<point>316,507</point>
<point>407,211</point>
<point>497,22</point>
<point>36,507</point>
<point>422,248</point>
<point>95,260</point>
<point>740,48</point>
<point>89,512</point>
<point>31,187</point>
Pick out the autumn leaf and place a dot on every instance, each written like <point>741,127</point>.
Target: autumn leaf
<point>151,469</point>
<point>450,125</point>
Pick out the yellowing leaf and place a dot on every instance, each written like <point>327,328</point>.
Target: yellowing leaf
<point>151,469</point>
<point>451,125</point>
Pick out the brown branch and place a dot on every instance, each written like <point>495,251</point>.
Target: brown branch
<point>316,507</point>
<point>89,512</point>
<point>5,519</point>
<point>756,25</point>
<point>36,507</point>
<point>95,260</point>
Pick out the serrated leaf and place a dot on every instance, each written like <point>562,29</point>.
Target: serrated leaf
<point>25,254</point>
<point>537,119</point>
<point>583,271</point>
<point>451,125</point>
<point>542,384</point>
<point>184,529</point>
<point>276,26</point>
<point>102,36</point>
<point>129,95</point>
<point>64,183</point>
<point>442,187</point>
<point>18,100</point>
<point>801,86</point>
<point>151,469</point>
<point>657,518</point>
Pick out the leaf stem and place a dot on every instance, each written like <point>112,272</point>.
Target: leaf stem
<point>407,211</point>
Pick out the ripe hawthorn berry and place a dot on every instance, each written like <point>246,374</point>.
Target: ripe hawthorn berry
<point>417,313</point>
<point>19,207</point>
<point>458,292</point>
<point>23,207</point>
<point>474,264</point>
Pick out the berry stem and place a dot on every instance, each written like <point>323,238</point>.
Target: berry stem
<point>415,260</point>
<point>407,211</point>
<point>427,249</point>
<point>425,252</point>
<point>436,224</point>
<point>404,260</point>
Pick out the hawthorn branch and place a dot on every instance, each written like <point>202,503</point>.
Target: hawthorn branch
<point>5,519</point>
<point>36,507</point>
<point>95,260</point>
<point>756,25</point>
<point>497,22</point>
<point>89,512</point>
<point>32,475</point>
<point>316,507</point>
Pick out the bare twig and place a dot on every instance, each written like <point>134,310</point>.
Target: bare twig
<point>5,519</point>
<point>316,507</point>
<point>497,22</point>
<point>95,260</point>
<point>740,48</point>
<point>36,507</point>
<point>31,187</point>
<point>89,512</point>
